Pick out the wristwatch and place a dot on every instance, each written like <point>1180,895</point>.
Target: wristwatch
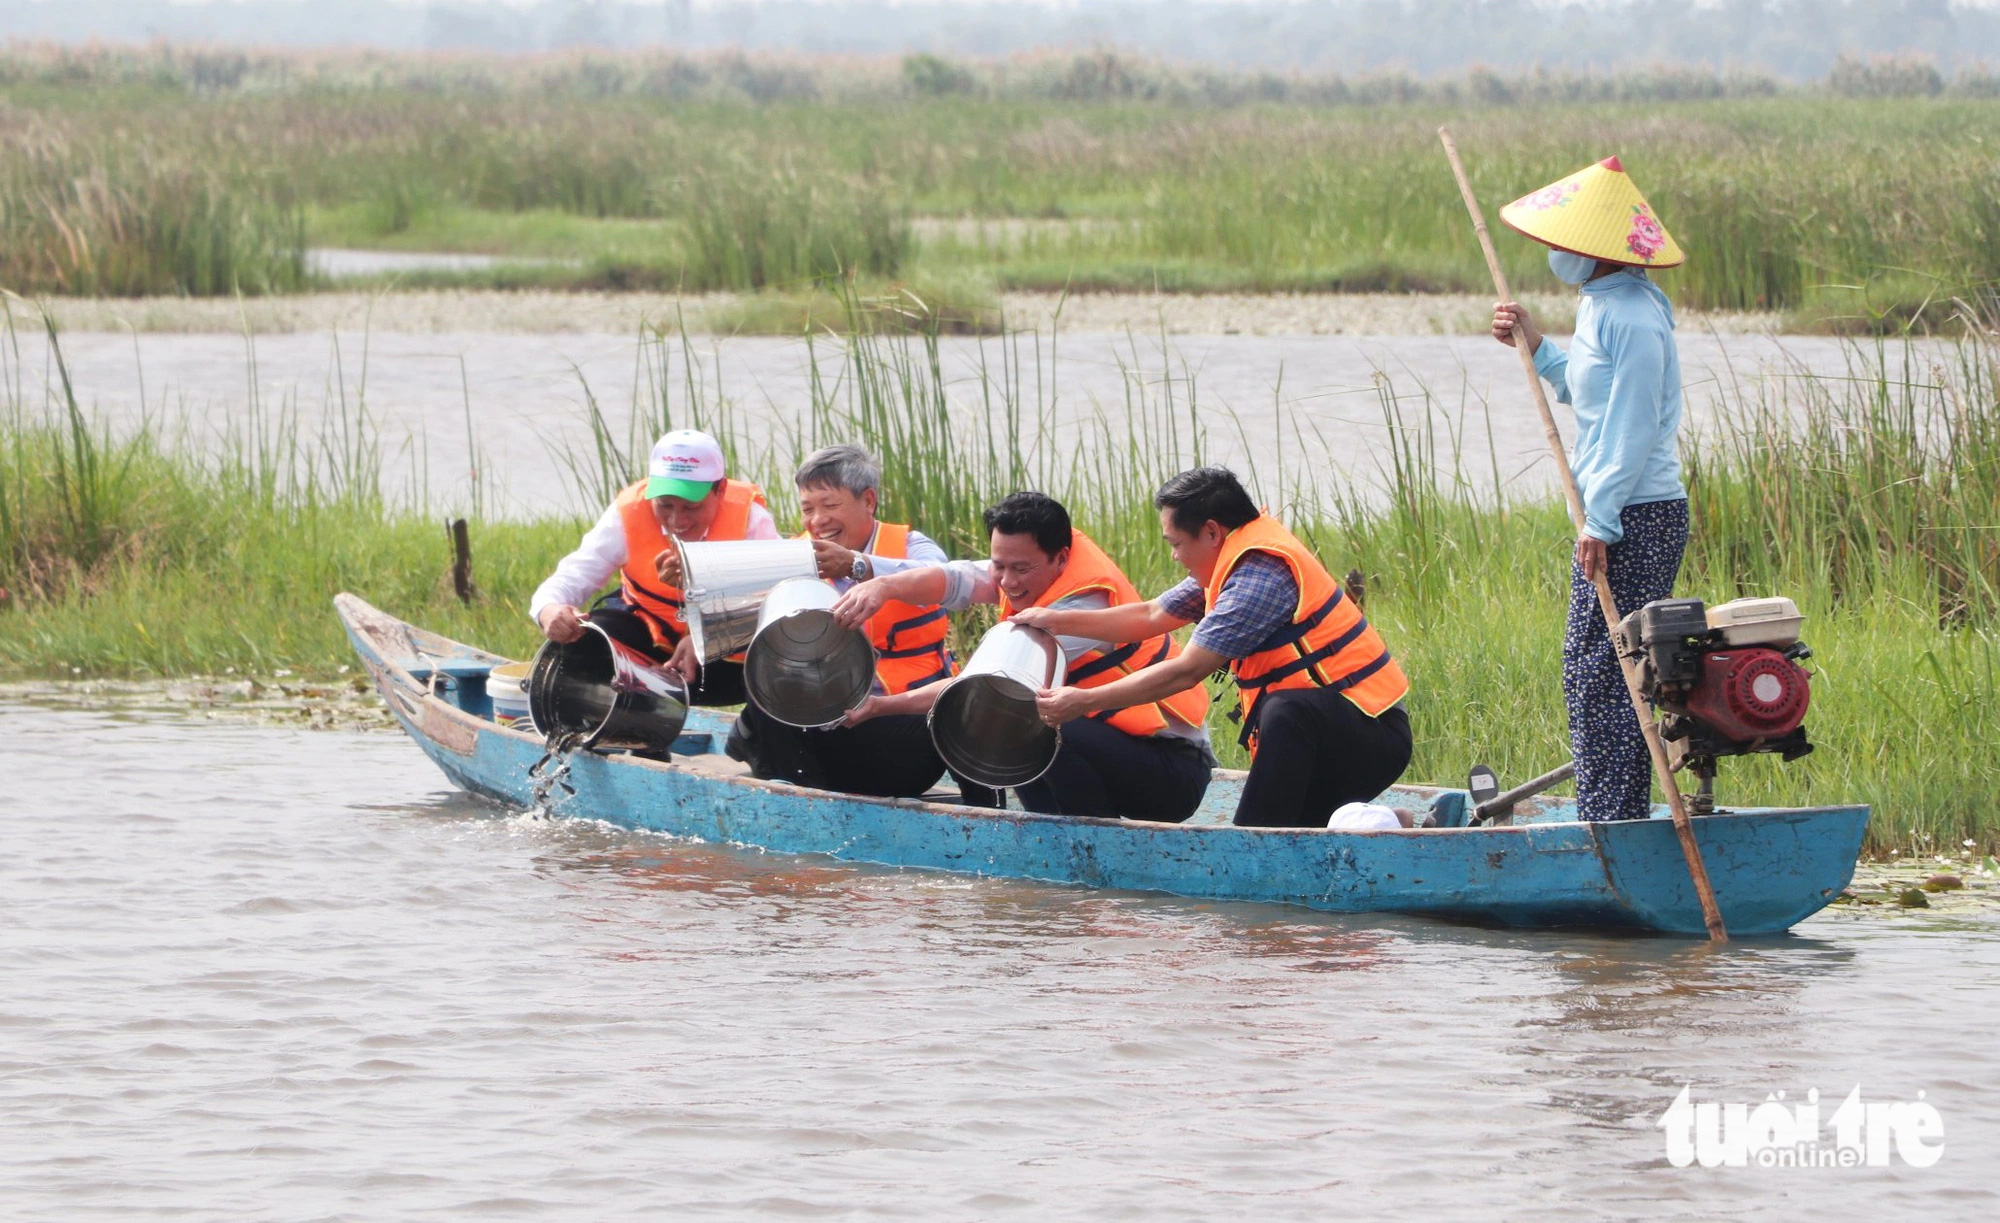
<point>861,568</point>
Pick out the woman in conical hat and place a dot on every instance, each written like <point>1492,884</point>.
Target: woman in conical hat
<point>1622,376</point>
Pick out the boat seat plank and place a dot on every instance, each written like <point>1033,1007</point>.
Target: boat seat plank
<point>713,764</point>
<point>456,668</point>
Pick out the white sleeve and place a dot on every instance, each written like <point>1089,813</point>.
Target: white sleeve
<point>968,582</point>
<point>922,551</point>
<point>761,525</point>
<point>579,575</point>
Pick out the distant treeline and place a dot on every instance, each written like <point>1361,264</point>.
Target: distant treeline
<point>1792,39</point>
<point>1094,76</point>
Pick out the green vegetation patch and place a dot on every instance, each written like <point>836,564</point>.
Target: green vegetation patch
<point>123,176</point>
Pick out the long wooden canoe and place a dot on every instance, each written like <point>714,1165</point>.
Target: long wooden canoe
<point>1771,867</point>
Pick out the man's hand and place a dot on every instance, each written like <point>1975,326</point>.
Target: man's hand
<point>668,565</point>
<point>1043,618</point>
<point>869,708</point>
<point>835,562</point>
<point>862,600</point>
<point>684,663</point>
<point>561,623</point>
<point>1592,556</point>
<point>1511,321</point>
<point>1059,705</point>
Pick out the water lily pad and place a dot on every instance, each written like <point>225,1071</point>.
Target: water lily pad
<point>1913,898</point>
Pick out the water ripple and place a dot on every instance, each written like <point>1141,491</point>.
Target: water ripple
<point>255,973</point>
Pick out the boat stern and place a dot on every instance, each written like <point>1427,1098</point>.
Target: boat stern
<point>1771,869</point>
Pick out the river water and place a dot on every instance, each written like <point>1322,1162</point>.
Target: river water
<point>256,973</point>
<point>1311,404</point>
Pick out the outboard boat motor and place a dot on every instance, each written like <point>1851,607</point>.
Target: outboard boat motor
<point>1726,680</point>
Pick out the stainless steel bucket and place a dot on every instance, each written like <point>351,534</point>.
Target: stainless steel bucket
<point>801,667</point>
<point>724,585</point>
<point>984,723</point>
<point>607,692</point>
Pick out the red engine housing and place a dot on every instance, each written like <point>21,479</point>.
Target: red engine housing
<point>1750,694</point>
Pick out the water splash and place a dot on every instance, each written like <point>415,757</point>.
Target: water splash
<point>551,772</point>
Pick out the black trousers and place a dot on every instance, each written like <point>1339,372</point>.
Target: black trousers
<point>1317,751</point>
<point>720,683</point>
<point>1103,771</point>
<point>887,757</point>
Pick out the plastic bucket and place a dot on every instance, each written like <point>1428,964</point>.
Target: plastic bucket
<point>507,687</point>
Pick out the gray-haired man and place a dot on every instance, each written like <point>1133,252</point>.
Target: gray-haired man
<point>839,491</point>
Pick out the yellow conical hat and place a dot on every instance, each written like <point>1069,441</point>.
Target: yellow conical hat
<point>1596,212</point>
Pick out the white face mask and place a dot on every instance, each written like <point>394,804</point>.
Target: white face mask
<point>1571,269</point>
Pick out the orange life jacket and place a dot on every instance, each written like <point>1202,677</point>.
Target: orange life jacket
<point>909,639</point>
<point>1090,569</point>
<point>657,603</point>
<point>1328,644</point>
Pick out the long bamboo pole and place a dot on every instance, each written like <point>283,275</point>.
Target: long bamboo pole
<point>1711,913</point>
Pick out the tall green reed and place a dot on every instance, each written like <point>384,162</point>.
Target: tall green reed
<point>88,218</point>
<point>1885,480</point>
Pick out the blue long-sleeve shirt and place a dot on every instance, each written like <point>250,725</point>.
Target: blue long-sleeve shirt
<point>1622,376</point>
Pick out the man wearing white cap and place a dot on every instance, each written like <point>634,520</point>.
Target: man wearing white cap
<point>685,495</point>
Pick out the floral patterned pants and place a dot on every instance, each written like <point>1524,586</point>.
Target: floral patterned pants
<point>1614,774</point>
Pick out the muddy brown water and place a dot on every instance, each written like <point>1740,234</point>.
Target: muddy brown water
<point>256,972</point>
<point>1308,404</point>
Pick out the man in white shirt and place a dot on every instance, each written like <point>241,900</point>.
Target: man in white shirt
<point>686,495</point>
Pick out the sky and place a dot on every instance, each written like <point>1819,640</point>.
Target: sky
<point>1800,39</point>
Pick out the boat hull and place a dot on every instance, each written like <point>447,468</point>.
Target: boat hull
<point>1770,869</point>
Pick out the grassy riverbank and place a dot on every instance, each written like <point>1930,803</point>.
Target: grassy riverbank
<point>1871,500</point>
<point>128,172</point>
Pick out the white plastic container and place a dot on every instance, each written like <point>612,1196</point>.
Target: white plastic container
<point>1364,817</point>
<point>1757,621</point>
<point>507,688</point>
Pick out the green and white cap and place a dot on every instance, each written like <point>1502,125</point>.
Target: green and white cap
<point>686,464</point>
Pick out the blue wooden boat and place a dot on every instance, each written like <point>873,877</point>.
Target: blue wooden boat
<point>1770,867</point>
